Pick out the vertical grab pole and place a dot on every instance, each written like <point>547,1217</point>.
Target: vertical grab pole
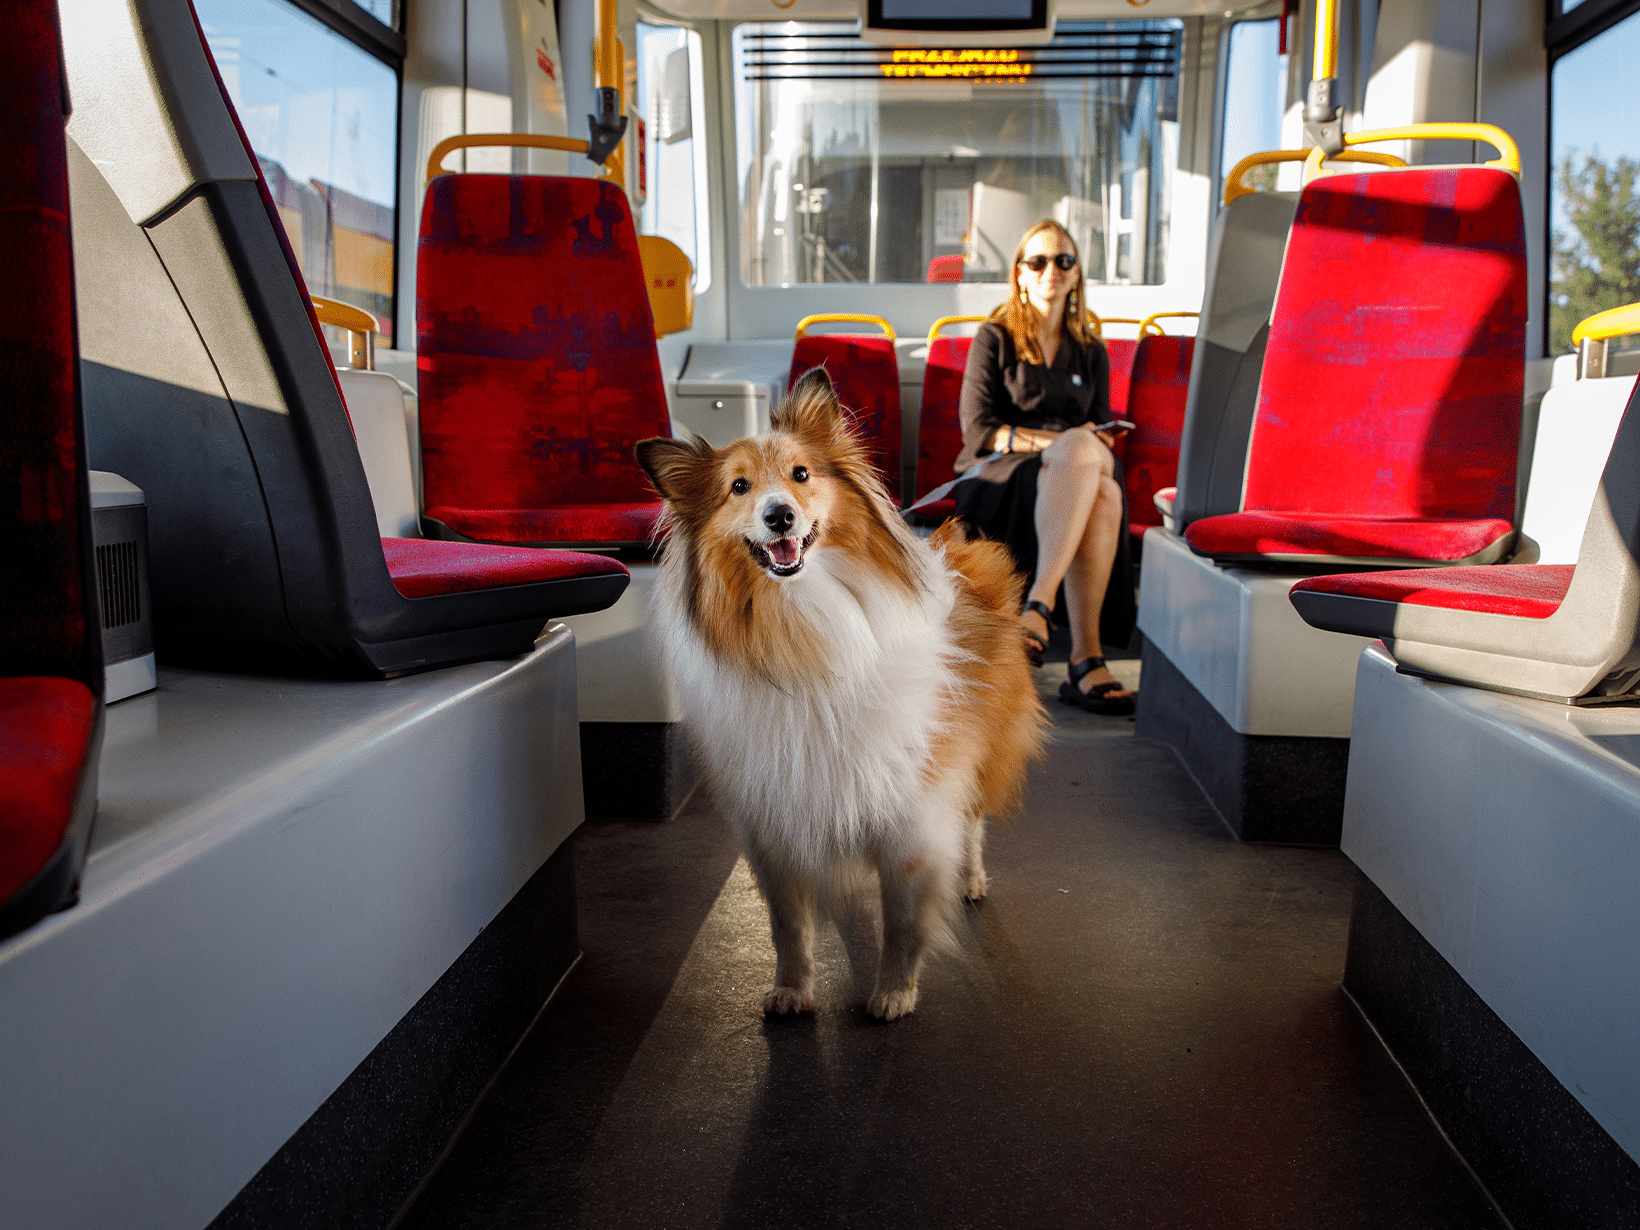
<point>607,124</point>
<point>1323,116</point>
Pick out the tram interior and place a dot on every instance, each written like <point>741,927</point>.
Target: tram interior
<point>355,865</point>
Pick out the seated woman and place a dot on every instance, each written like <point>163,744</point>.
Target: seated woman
<point>1035,391</point>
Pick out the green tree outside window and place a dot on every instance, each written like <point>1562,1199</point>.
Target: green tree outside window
<point>1595,264</point>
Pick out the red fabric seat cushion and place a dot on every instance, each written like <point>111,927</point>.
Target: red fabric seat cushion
<point>46,725</point>
<point>866,374</point>
<point>535,344</point>
<point>1123,351</point>
<point>1155,403</point>
<point>421,567</point>
<point>1264,533</point>
<point>589,523</point>
<point>1392,381</point>
<point>1529,591</point>
<point>939,430</point>
<point>938,510</point>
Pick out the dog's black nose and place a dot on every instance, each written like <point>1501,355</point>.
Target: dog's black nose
<point>780,518</point>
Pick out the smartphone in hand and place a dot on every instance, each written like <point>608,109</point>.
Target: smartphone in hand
<point>1116,427</point>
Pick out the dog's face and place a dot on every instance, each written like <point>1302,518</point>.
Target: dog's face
<point>762,504</point>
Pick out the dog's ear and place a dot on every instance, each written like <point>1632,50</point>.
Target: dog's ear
<point>676,467</point>
<point>811,408</point>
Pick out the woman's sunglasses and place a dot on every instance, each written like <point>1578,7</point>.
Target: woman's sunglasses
<point>1037,263</point>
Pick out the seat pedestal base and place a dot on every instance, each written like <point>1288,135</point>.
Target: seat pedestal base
<point>1539,1153</point>
<point>1266,788</point>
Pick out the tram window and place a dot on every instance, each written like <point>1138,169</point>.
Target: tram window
<point>1255,96</point>
<point>860,163</point>
<point>322,118</point>
<point>1594,196</point>
<point>671,101</point>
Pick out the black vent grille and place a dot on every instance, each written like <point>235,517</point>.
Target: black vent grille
<point>118,585</point>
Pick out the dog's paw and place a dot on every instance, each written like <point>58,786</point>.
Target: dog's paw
<point>783,1000</point>
<point>892,1005</point>
<point>975,890</point>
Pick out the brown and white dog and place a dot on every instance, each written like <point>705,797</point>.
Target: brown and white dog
<point>860,697</point>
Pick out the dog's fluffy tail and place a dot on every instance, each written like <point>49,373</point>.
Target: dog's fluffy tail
<point>1006,714</point>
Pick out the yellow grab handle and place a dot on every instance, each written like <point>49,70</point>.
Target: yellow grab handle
<point>360,326</point>
<point>534,140</point>
<point>1150,321</point>
<point>1234,187</point>
<point>1602,326</point>
<point>826,318</point>
<point>1099,322</point>
<point>1490,133</point>
<point>934,329</point>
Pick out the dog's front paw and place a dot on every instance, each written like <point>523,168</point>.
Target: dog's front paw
<point>892,1005</point>
<point>975,891</point>
<point>783,1000</point>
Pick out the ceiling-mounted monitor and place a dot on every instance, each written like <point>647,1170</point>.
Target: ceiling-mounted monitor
<point>957,23</point>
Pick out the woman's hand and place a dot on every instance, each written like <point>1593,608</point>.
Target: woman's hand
<point>1021,440</point>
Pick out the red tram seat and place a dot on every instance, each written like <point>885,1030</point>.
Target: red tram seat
<point>536,363</point>
<point>1122,351</point>
<point>1155,405</point>
<point>1563,632</point>
<point>208,384</point>
<point>1388,415</point>
<point>51,713</point>
<point>866,373</point>
<point>939,427</point>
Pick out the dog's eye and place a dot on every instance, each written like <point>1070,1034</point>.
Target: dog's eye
<point>740,486</point>
<point>801,474</point>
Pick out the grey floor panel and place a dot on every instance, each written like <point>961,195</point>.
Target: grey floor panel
<point>1142,1028</point>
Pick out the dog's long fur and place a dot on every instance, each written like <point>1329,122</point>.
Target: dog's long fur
<point>862,706</point>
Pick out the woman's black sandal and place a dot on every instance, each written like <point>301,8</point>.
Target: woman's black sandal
<point>1036,647</point>
<point>1096,699</point>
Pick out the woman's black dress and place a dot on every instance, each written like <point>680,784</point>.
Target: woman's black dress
<point>1000,389</point>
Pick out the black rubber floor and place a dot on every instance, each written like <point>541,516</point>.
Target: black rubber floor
<point>1143,1028</point>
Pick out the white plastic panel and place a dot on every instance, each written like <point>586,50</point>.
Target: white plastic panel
<point>280,870</point>
<point>375,404</point>
<point>1236,637</point>
<point>1576,425</point>
<point>1507,832</point>
<point>619,671</point>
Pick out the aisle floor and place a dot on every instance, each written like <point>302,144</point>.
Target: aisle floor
<point>1143,1028</point>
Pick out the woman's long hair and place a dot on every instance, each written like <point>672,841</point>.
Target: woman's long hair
<point>1018,315</point>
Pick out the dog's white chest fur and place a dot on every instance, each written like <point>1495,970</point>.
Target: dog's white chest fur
<point>836,759</point>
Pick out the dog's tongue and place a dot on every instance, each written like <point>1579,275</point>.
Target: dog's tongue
<point>784,551</point>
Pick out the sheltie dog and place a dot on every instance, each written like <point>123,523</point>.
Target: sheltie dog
<point>860,697</point>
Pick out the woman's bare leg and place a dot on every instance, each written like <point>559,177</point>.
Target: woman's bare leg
<point>1088,578</point>
<point>1078,523</point>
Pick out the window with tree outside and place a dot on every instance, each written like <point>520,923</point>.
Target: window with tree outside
<point>1594,205</point>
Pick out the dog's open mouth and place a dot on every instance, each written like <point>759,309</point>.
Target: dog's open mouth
<point>784,556</point>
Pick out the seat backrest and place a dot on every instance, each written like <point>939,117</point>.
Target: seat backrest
<point>1243,270</point>
<point>535,343</point>
<point>939,429</point>
<point>1156,406</point>
<point>49,621</point>
<point>1122,351</point>
<point>1392,381</point>
<point>866,373</point>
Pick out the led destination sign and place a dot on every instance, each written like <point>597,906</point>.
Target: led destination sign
<point>960,62</point>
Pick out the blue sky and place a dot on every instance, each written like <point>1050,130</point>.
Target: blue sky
<point>308,98</point>
<point>1595,99</point>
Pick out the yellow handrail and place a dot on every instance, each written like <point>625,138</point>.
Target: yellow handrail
<point>826,318</point>
<point>1099,322</point>
<point>360,326</point>
<point>934,329</point>
<point>534,140</point>
<point>1150,321</point>
<point>1602,326</point>
<point>1490,133</point>
<point>1234,188</point>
